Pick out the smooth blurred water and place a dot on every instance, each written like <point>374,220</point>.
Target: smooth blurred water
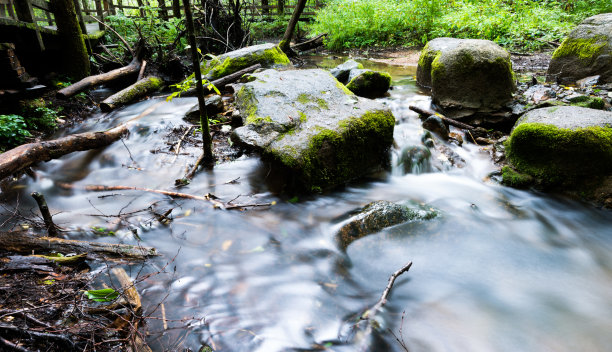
<point>500,269</point>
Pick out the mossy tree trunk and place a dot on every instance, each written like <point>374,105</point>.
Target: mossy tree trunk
<point>74,51</point>
<point>285,43</point>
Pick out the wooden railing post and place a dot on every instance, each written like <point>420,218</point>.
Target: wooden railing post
<point>74,51</point>
<point>100,14</point>
<point>163,12</point>
<point>176,8</point>
<point>280,7</point>
<point>77,8</point>
<point>25,13</point>
<point>140,9</point>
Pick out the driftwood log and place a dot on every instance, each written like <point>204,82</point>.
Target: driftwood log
<point>22,242</point>
<point>427,112</point>
<point>92,81</point>
<point>26,155</point>
<point>310,44</point>
<point>137,90</point>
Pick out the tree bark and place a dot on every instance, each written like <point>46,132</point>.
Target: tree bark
<point>26,155</point>
<point>206,138</point>
<point>88,82</point>
<point>73,45</point>
<point>137,90</point>
<point>22,242</point>
<point>286,41</point>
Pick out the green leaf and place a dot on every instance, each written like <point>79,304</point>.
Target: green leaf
<point>103,295</point>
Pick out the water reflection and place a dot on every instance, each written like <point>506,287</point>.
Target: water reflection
<point>499,270</point>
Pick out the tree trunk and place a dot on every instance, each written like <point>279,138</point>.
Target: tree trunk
<point>285,43</point>
<point>133,92</point>
<point>88,82</point>
<point>23,242</point>
<point>74,53</point>
<point>26,155</point>
<point>206,139</point>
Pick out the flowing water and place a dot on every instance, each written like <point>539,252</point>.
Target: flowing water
<point>499,270</point>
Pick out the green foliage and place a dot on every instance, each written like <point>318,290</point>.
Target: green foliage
<point>160,33</point>
<point>103,295</point>
<point>517,24</point>
<point>13,131</point>
<point>38,116</point>
<point>269,29</point>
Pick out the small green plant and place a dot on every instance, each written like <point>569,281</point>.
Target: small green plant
<point>13,131</point>
<point>103,295</point>
<point>102,231</point>
<point>38,116</point>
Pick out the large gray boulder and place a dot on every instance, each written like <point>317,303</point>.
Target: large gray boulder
<point>310,124</point>
<point>466,74</point>
<point>587,51</point>
<point>268,55</point>
<point>559,145</point>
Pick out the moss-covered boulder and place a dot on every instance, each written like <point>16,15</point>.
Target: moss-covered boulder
<point>369,83</point>
<point>313,127</point>
<point>587,51</point>
<point>559,146</point>
<point>377,216</point>
<point>342,71</point>
<point>268,55</point>
<point>467,74</point>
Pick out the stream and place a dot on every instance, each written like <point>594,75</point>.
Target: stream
<point>499,270</point>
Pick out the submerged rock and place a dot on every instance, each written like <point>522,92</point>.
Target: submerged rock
<point>214,105</point>
<point>435,124</point>
<point>587,51</point>
<point>415,159</point>
<point>560,146</point>
<point>268,55</point>
<point>307,122</point>
<point>368,83</point>
<point>377,216</point>
<point>342,71</point>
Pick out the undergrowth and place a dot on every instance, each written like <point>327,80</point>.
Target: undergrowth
<point>516,24</point>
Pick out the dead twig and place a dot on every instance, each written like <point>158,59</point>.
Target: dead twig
<point>448,120</point>
<point>44,210</point>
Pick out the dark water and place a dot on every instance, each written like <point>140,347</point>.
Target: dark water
<point>499,270</point>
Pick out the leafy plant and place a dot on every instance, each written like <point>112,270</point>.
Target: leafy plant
<point>103,295</point>
<point>13,130</point>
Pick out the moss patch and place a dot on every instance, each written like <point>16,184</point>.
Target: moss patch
<point>585,49</point>
<point>588,102</point>
<point>270,57</point>
<point>512,178</point>
<point>334,157</point>
<point>560,156</point>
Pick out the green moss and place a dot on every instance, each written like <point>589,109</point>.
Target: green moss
<point>247,104</point>
<point>322,104</point>
<point>437,68</point>
<point>273,94</point>
<point>215,69</point>
<point>370,84</point>
<point>343,87</point>
<point>560,156</point>
<point>588,102</point>
<point>512,178</point>
<point>303,117</point>
<point>305,98</point>
<point>586,49</point>
<point>333,157</point>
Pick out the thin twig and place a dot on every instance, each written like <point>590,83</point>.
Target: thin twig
<point>127,46</point>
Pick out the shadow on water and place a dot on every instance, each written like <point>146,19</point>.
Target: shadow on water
<point>499,270</point>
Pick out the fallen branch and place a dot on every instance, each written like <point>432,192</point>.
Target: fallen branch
<point>370,314</point>
<point>142,70</point>
<point>26,155</point>
<point>88,82</point>
<point>22,242</point>
<point>125,43</point>
<point>448,120</point>
<point>207,198</point>
<point>44,211</point>
<point>223,81</point>
<point>137,90</point>
<point>310,44</point>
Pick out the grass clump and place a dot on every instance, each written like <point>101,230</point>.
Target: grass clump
<point>517,25</point>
